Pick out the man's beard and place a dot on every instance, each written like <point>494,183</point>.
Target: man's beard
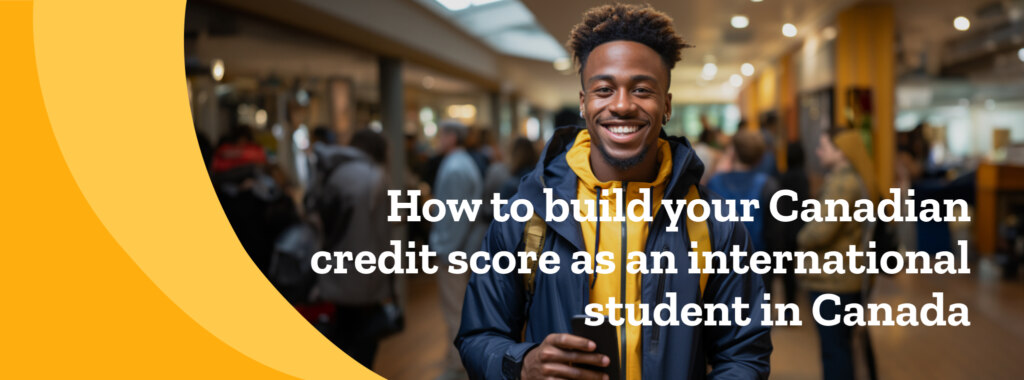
<point>622,163</point>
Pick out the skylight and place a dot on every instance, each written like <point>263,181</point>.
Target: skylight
<point>507,26</point>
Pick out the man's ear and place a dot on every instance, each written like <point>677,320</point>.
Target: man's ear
<point>668,103</point>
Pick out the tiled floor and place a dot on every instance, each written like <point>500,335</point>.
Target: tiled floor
<point>991,348</point>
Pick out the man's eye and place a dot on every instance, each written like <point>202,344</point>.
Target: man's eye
<point>644,91</point>
<point>603,90</point>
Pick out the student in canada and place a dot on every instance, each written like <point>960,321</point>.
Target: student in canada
<point>518,326</point>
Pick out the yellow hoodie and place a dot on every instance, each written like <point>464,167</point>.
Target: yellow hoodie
<point>611,233</point>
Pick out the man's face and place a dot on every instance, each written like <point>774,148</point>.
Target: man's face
<point>624,97</point>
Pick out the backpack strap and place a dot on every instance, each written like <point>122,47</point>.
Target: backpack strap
<point>700,233</point>
<point>533,241</point>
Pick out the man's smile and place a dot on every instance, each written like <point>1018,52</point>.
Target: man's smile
<point>623,131</point>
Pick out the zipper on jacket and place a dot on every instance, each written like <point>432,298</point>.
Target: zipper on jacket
<point>622,288</point>
<point>659,296</point>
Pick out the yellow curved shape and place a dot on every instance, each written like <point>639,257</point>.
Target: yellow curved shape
<point>112,78</point>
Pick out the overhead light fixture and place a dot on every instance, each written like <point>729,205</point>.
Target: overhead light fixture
<point>747,69</point>
<point>562,64</point>
<point>454,5</point>
<point>739,21</point>
<point>829,33</point>
<point>789,30</point>
<point>736,80</point>
<point>260,118</point>
<point>961,23</point>
<point>709,71</point>
<point>755,1</point>
<point>1020,54</point>
<point>217,70</point>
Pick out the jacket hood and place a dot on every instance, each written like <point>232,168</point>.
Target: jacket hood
<point>553,171</point>
<point>330,156</point>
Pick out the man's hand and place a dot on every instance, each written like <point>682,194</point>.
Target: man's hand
<point>554,357</point>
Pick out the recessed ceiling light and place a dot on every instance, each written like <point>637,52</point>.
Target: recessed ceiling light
<point>961,23</point>
<point>217,70</point>
<point>709,71</point>
<point>739,21</point>
<point>747,69</point>
<point>755,1</point>
<point>1020,54</point>
<point>736,80</point>
<point>789,30</point>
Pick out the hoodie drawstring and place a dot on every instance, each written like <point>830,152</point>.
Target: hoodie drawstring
<point>597,236</point>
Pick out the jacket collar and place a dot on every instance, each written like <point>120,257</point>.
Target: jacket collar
<point>553,171</point>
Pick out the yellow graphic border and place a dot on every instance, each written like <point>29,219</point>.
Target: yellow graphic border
<point>119,259</point>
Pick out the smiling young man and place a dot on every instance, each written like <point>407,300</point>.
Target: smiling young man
<point>517,326</point>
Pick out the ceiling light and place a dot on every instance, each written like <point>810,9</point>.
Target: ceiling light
<point>829,33</point>
<point>789,30</point>
<point>709,71</point>
<point>755,1</point>
<point>747,69</point>
<point>961,23</point>
<point>260,118</point>
<point>562,64</point>
<point>455,5</point>
<point>740,21</point>
<point>736,80</point>
<point>217,70</point>
<point>1020,54</point>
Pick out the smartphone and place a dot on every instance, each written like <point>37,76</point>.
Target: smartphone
<point>603,336</point>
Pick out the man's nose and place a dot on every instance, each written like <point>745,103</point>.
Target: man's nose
<point>622,104</point>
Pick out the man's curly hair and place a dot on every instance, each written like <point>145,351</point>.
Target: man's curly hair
<point>626,22</point>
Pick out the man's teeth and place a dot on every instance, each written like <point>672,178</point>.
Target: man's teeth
<point>623,130</point>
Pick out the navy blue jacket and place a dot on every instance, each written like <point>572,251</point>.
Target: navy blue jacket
<point>491,338</point>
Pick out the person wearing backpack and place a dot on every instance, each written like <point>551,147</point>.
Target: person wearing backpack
<point>352,204</point>
<point>518,326</point>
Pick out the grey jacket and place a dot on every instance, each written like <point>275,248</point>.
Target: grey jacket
<point>458,179</point>
<point>358,185</point>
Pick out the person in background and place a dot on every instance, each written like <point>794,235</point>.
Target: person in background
<point>477,147</point>
<point>458,179</point>
<point>745,182</point>
<point>353,206</point>
<point>239,176</point>
<point>524,158</point>
<point>795,179</point>
<point>848,166</point>
<point>707,150</point>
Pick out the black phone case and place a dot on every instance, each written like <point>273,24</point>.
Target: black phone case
<point>603,336</point>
